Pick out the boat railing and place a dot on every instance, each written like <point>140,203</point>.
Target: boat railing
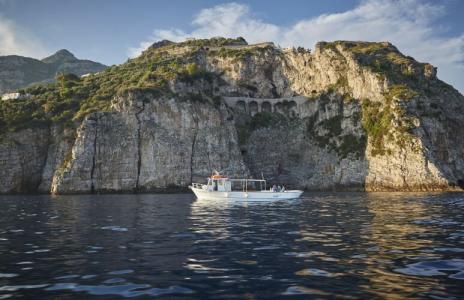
<point>197,185</point>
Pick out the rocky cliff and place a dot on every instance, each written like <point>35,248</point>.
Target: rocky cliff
<point>347,116</point>
<point>18,72</point>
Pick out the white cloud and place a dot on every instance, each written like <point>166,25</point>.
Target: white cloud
<point>227,20</point>
<point>411,25</point>
<point>17,41</point>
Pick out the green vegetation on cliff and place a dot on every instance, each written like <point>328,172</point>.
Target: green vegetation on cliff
<point>387,122</point>
<point>161,67</point>
<point>384,59</point>
<point>333,138</point>
<point>166,65</point>
<point>215,42</point>
<point>328,132</point>
<point>377,121</point>
<point>68,100</point>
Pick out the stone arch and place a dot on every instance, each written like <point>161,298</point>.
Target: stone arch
<point>240,106</point>
<point>253,107</point>
<point>292,109</point>
<point>279,108</point>
<point>266,106</point>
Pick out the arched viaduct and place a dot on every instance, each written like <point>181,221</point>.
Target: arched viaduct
<point>287,106</point>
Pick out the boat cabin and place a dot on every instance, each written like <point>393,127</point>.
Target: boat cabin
<point>219,183</point>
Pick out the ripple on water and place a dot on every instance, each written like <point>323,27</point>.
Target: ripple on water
<point>327,258</point>
<point>301,290</point>
<point>316,272</point>
<point>293,232</point>
<point>305,254</point>
<point>95,248</point>
<point>458,275</point>
<point>201,260</point>
<point>37,251</point>
<point>198,268</point>
<point>124,290</point>
<point>247,262</point>
<point>446,249</point>
<point>14,288</point>
<point>456,235</point>
<point>67,277</point>
<point>444,222</point>
<point>435,268</point>
<point>271,247</point>
<point>8,275</point>
<point>183,235</point>
<point>120,272</point>
<point>209,250</point>
<point>114,228</point>
<point>114,280</point>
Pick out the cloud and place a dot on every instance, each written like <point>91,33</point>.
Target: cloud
<point>411,25</point>
<point>15,40</point>
<point>227,20</point>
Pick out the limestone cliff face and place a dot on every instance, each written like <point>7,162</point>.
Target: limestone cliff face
<point>349,116</point>
<point>149,143</point>
<point>22,158</point>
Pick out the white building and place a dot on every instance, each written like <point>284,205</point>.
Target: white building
<point>15,96</point>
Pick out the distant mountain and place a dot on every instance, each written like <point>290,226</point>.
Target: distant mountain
<point>18,71</point>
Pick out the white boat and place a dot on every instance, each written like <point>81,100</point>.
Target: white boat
<point>220,187</point>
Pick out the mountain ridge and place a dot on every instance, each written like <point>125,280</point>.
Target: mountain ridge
<point>59,56</point>
<point>19,72</point>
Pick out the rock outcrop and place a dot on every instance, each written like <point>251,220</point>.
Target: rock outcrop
<point>18,72</point>
<point>149,143</point>
<point>349,116</point>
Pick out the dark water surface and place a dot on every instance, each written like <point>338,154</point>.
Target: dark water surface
<point>344,245</point>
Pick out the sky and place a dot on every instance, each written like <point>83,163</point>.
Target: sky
<point>111,31</point>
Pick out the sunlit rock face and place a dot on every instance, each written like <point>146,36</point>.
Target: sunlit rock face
<point>150,144</point>
<point>347,116</point>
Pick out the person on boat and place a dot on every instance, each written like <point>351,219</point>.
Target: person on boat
<point>283,189</point>
<point>279,188</point>
<point>274,188</point>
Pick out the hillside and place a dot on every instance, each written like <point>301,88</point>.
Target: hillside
<point>18,72</point>
<point>347,116</point>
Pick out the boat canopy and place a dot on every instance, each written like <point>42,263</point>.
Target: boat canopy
<point>224,184</point>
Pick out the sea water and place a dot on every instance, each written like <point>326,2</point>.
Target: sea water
<point>171,246</point>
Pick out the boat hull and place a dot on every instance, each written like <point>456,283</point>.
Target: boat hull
<point>246,196</point>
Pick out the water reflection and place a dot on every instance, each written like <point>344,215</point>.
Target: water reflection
<point>392,235</point>
<point>351,245</point>
<point>91,240</point>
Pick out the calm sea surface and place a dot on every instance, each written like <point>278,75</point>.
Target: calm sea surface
<point>344,245</point>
